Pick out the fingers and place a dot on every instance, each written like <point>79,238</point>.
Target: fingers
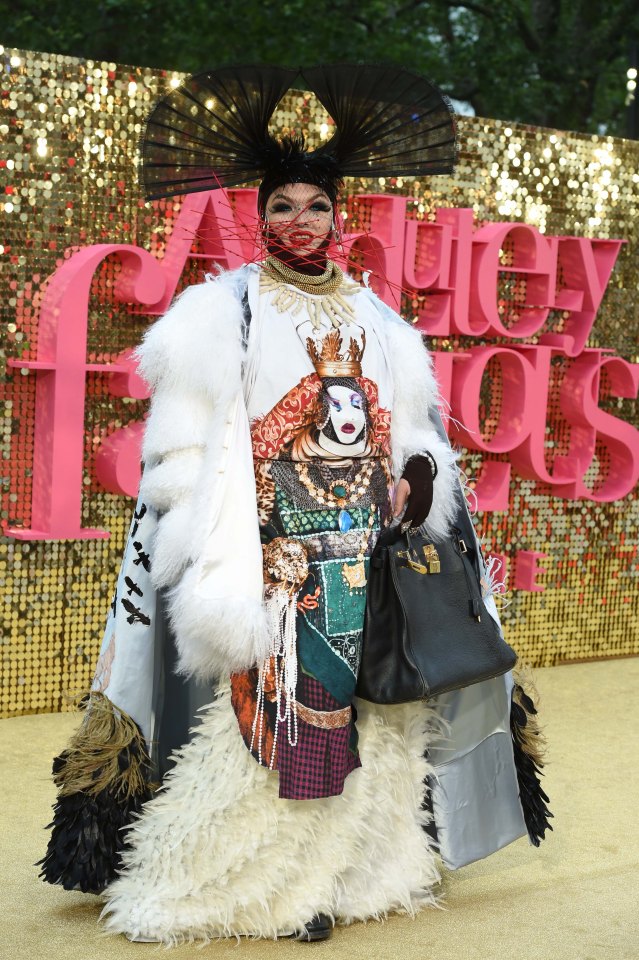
<point>419,504</point>
<point>402,492</point>
<point>416,484</point>
<point>418,508</point>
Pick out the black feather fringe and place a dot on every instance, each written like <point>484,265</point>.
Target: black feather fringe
<point>87,839</point>
<point>528,746</point>
<point>103,781</point>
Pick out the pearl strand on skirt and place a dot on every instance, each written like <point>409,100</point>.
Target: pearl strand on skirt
<point>281,608</point>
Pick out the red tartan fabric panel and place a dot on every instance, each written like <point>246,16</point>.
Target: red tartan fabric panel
<point>319,763</point>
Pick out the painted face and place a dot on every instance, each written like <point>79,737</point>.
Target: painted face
<point>347,414</point>
<point>300,216</point>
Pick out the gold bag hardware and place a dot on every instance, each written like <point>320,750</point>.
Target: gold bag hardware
<point>411,561</point>
<point>432,558</point>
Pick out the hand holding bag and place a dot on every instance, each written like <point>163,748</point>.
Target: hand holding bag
<point>426,628</point>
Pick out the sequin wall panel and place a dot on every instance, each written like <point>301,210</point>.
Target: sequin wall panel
<point>69,130</point>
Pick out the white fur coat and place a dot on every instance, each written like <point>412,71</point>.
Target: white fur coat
<point>217,853</point>
<point>199,469</point>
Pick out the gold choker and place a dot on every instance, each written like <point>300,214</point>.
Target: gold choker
<point>327,282</point>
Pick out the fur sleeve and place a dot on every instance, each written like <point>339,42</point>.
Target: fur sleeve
<point>191,358</point>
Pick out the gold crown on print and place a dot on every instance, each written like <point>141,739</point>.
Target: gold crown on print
<point>329,361</point>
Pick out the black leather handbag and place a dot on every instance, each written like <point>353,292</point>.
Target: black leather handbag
<point>426,629</point>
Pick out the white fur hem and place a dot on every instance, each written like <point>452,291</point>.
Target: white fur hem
<point>218,854</point>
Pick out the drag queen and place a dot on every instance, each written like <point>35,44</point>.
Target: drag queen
<point>293,416</point>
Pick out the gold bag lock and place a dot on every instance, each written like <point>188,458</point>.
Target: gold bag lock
<point>432,558</point>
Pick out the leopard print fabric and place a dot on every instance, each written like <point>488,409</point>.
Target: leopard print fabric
<point>265,488</point>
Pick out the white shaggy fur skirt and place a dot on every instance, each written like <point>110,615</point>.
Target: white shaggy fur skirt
<point>217,854</point>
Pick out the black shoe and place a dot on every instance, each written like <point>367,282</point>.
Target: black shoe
<point>319,928</point>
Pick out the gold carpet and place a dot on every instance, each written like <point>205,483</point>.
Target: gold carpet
<point>573,899</point>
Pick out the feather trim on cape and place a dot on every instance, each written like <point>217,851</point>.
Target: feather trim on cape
<point>529,748</point>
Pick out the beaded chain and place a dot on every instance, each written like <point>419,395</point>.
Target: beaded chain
<point>329,498</point>
<point>355,574</point>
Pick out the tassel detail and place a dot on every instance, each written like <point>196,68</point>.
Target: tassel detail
<point>529,747</point>
<point>102,781</point>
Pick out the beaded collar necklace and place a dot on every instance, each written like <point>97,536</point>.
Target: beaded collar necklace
<point>321,296</point>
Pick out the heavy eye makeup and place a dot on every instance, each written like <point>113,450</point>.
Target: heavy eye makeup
<point>283,205</point>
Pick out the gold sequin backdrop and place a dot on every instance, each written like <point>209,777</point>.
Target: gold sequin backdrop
<point>69,130</point>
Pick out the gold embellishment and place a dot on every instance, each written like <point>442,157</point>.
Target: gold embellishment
<point>322,296</point>
<point>330,362</point>
<point>432,558</point>
<point>410,561</point>
<point>327,282</point>
<point>285,563</point>
<point>354,574</point>
<point>324,719</point>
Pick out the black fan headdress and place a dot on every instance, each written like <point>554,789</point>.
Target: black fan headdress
<point>212,131</point>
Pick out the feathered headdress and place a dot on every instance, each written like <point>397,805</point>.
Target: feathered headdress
<point>212,131</point>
